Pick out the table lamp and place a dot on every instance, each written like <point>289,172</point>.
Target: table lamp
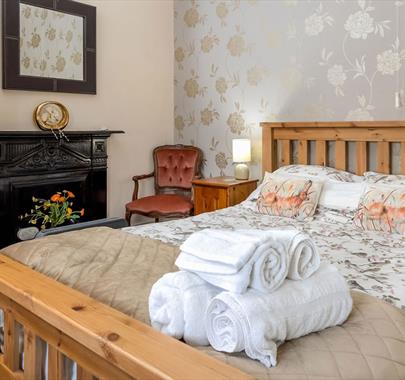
<point>241,155</point>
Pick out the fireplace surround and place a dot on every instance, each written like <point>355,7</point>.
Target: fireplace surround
<point>36,164</point>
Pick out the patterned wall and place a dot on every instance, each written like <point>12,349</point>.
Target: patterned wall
<point>240,62</point>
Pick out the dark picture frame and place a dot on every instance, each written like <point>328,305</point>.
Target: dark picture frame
<point>12,80</point>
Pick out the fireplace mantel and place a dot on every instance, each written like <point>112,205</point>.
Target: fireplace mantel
<point>35,163</point>
<point>44,134</point>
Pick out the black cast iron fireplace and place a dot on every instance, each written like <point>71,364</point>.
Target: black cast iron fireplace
<point>36,164</point>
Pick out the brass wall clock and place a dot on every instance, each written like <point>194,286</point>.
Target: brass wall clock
<point>51,116</point>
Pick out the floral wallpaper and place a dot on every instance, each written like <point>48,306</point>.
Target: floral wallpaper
<point>241,62</point>
<point>51,43</point>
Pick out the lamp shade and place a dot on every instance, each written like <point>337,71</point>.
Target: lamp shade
<point>241,150</point>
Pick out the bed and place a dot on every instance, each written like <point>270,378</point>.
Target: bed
<point>109,343</point>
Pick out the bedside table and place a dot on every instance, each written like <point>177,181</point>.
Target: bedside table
<point>219,192</point>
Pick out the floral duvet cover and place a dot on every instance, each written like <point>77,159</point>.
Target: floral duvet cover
<point>373,262</point>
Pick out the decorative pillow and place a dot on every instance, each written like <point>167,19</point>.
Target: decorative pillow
<point>322,173</point>
<point>289,197</point>
<point>382,208</point>
<point>390,179</point>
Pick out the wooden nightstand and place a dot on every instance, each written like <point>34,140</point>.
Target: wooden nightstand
<point>219,192</point>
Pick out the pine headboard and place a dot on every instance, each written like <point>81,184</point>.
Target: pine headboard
<point>293,142</point>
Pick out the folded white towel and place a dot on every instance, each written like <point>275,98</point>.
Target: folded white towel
<point>177,303</point>
<point>265,271</point>
<point>222,251</point>
<point>260,259</point>
<point>258,322</point>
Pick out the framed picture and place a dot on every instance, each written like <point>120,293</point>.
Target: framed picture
<point>49,45</point>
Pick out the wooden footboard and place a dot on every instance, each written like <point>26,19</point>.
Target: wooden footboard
<point>46,320</point>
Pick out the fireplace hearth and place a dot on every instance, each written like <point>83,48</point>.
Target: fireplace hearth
<point>36,164</point>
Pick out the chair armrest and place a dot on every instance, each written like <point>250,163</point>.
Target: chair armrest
<point>136,179</point>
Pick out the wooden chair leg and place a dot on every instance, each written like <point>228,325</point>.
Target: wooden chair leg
<point>128,215</point>
<point>156,220</point>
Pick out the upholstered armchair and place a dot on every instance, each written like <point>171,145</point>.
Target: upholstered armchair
<point>175,166</point>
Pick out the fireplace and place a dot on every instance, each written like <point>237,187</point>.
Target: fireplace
<point>36,164</point>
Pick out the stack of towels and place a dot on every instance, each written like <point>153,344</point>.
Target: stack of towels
<point>248,290</point>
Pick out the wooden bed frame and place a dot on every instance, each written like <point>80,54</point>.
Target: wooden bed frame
<point>106,343</point>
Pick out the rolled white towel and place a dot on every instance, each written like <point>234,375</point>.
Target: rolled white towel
<point>177,303</point>
<point>304,258</point>
<point>259,322</point>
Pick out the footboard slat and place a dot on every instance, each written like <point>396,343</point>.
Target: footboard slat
<point>104,342</point>
<point>55,367</point>
<point>11,343</point>
<point>32,355</point>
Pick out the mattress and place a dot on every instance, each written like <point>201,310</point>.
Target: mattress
<point>119,269</point>
<point>372,262</point>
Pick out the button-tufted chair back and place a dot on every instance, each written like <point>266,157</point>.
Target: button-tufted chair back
<point>175,167</point>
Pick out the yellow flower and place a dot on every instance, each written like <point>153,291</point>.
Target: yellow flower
<point>69,210</point>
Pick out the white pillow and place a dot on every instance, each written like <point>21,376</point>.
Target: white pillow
<point>341,195</point>
<point>323,173</point>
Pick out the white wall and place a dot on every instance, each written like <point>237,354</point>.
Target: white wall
<point>134,91</point>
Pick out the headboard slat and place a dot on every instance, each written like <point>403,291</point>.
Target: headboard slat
<point>361,157</point>
<point>321,153</point>
<point>286,153</point>
<point>303,153</point>
<point>340,155</point>
<point>383,157</point>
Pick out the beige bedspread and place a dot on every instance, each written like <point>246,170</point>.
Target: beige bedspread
<point>119,269</point>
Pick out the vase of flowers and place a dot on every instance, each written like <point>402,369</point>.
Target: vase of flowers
<point>53,212</point>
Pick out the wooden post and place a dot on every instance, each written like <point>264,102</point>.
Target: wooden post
<point>269,156</point>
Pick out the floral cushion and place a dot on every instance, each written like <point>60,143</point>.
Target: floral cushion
<point>382,208</point>
<point>393,179</point>
<point>323,173</point>
<point>289,197</point>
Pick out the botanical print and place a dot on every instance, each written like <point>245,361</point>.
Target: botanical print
<point>382,208</point>
<point>390,179</point>
<point>240,62</point>
<point>292,198</point>
<point>51,43</point>
<point>373,262</point>
<point>315,23</point>
<point>321,172</point>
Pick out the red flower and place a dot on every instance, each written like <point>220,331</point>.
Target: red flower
<point>82,212</point>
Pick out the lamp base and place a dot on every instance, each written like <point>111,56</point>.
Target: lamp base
<point>241,171</point>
